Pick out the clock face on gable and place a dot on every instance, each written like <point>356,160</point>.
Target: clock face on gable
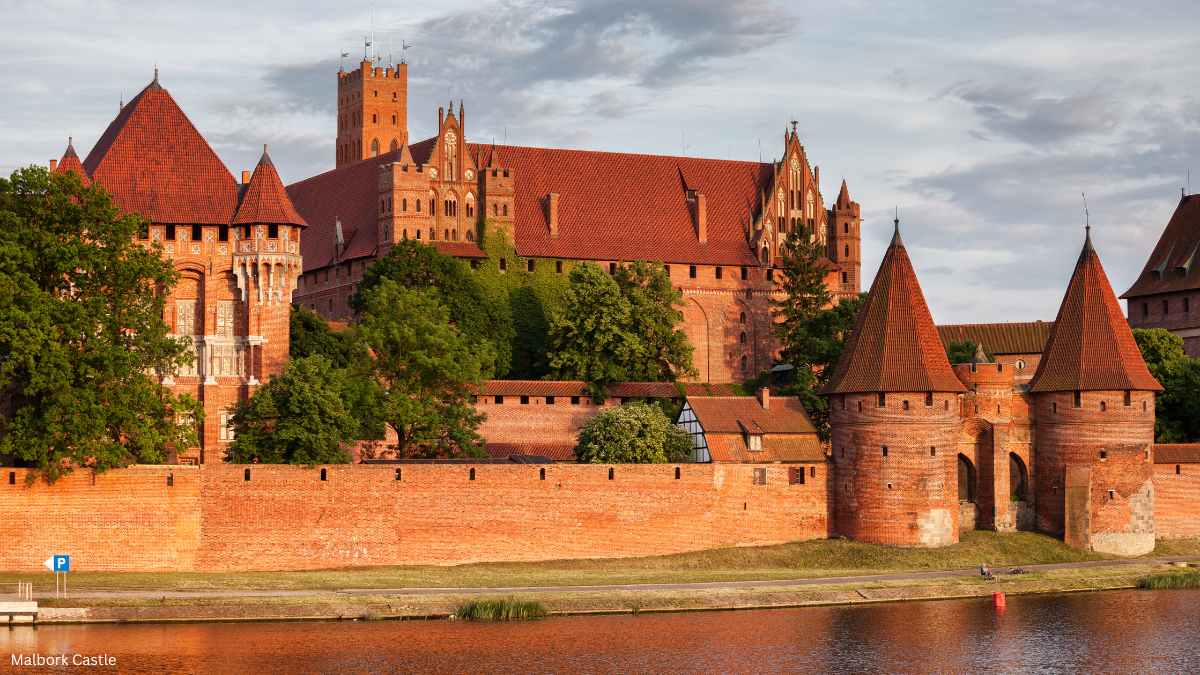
<point>469,174</point>
<point>433,173</point>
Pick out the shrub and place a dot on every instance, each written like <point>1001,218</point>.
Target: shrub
<point>505,609</point>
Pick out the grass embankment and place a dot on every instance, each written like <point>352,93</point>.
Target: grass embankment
<point>1170,580</point>
<point>505,609</point>
<point>822,558</point>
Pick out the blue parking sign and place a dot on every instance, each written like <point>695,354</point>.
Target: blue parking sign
<point>62,563</point>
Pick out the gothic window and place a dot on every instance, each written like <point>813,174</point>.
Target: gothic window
<point>225,318</point>
<point>404,204</point>
<point>745,364</point>
<point>470,235</point>
<point>225,427</point>
<point>432,234</point>
<point>742,318</point>
<point>418,205</point>
<point>742,338</point>
<point>375,147</point>
<point>395,144</point>
<point>808,206</point>
<point>185,317</point>
<point>506,209</point>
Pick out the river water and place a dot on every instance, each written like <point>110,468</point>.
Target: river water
<point>1120,631</point>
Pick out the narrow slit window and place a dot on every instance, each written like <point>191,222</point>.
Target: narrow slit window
<point>246,475</point>
<point>324,474</point>
<point>471,475</point>
<point>541,474</point>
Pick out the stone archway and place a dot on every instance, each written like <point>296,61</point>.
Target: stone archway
<point>972,474</point>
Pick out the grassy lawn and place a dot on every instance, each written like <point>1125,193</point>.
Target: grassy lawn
<point>796,560</point>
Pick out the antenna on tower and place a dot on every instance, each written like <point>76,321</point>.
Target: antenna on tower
<point>760,151</point>
<point>366,48</point>
<point>1087,222</point>
<point>404,47</point>
<point>342,63</point>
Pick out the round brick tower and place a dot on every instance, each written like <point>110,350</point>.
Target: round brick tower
<point>894,415</point>
<point>1094,422</point>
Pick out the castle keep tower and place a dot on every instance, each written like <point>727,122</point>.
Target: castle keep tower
<point>845,243</point>
<point>894,412</point>
<point>1094,404</point>
<point>372,111</point>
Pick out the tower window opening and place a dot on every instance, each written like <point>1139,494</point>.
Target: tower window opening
<point>471,475</point>
<point>691,271</point>
<point>1103,454</point>
<point>558,267</point>
<point>1128,398</point>
<point>932,451</point>
<point>222,233</point>
<point>499,400</point>
<point>744,273</point>
<point>324,474</point>
<point>541,474</point>
<point>524,400</point>
<point>1103,406</point>
<point>1054,407</point>
<point>272,231</point>
<point>612,268</point>
<point>197,233</point>
<point>885,451</point>
<point>1178,471</point>
<point>398,474</point>
<point>529,265</point>
<point>882,400</point>
<point>718,272</point>
<point>904,404</point>
<point>170,233</point>
<point>1078,400</point>
<point>610,473</point>
<point>1166,307</point>
<point>929,398</point>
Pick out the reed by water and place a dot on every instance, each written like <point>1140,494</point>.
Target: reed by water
<point>505,609</point>
<point>1167,580</point>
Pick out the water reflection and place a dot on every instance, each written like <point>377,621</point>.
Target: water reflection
<point>1126,631</point>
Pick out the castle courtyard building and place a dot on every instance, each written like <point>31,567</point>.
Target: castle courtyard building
<point>717,225</point>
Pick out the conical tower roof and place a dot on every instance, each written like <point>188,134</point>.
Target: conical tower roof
<point>1091,346</point>
<point>895,345</point>
<point>843,198</point>
<point>70,163</point>
<point>265,200</point>
<point>154,163</point>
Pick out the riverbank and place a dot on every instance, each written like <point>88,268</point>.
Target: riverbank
<point>799,574</point>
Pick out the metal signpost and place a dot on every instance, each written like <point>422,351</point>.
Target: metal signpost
<point>60,564</point>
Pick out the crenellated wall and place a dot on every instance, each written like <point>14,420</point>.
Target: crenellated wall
<point>210,518</point>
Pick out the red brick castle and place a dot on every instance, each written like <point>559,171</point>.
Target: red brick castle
<point>236,248</point>
<point>717,224</point>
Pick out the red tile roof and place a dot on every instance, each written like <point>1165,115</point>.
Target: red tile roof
<point>738,414</point>
<point>265,200</point>
<point>533,388</point>
<point>843,198</point>
<point>349,194</point>
<point>155,163</point>
<point>626,206</point>
<point>1091,346</point>
<point>1173,265</point>
<point>70,164</point>
<point>894,346</point>
<point>558,452</point>
<point>776,448</point>
<point>1177,453</point>
<point>459,249</point>
<point>1027,337</point>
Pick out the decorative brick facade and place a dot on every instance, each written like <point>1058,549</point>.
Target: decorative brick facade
<point>717,224</point>
<point>236,248</point>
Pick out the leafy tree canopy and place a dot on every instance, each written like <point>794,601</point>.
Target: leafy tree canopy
<point>634,433</point>
<point>83,343</point>
<point>811,331</point>
<point>962,351</point>
<point>1177,412</point>
<point>426,369</point>
<point>297,417</point>
<point>619,327</point>
<point>478,316</point>
<point>310,335</point>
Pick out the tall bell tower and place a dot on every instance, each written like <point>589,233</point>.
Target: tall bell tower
<point>372,111</point>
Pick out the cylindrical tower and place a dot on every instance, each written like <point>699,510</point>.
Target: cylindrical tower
<point>1094,422</point>
<point>895,418</point>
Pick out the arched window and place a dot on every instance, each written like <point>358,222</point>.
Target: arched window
<point>808,205</point>
<point>745,364</point>
<point>470,235</point>
<point>404,204</point>
<point>375,147</point>
<point>432,234</point>
<point>742,318</point>
<point>395,145</point>
<point>1018,478</point>
<point>765,255</point>
<point>742,338</point>
<point>966,479</point>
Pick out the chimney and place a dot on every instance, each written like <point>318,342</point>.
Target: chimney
<point>245,177</point>
<point>764,397</point>
<point>552,205</point>
<point>53,165</point>
<point>701,218</point>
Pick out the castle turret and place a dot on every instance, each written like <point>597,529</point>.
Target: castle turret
<point>894,413</point>
<point>845,243</point>
<point>1094,412</point>
<point>992,474</point>
<point>266,264</point>
<point>70,164</point>
<point>497,193</point>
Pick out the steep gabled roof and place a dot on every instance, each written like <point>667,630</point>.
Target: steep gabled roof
<point>895,345</point>
<point>1172,266</point>
<point>1026,337</point>
<point>626,206</point>
<point>1091,346</point>
<point>265,200</point>
<point>155,163</point>
<point>70,163</point>
<point>745,414</point>
<point>843,198</point>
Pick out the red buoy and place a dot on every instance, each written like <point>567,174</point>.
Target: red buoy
<point>998,600</point>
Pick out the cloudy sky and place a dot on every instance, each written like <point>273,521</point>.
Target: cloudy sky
<point>983,124</point>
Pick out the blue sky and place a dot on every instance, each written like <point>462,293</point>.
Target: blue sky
<point>983,122</point>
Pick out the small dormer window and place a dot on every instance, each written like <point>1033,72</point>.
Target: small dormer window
<point>754,442</point>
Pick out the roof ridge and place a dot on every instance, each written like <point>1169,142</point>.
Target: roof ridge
<point>618,153</point>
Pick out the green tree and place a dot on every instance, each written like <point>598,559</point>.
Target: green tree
<point>1177,412</point>
<point>83,344</point>
<point>426,369</point>
<point>634,433</point>
<point>479,317</point>
<point>297,417</point>
<point>619,327</point>
<point>812,332</point>
<point>962,351</point>
<point>665,353</point>
<point>310,335</point>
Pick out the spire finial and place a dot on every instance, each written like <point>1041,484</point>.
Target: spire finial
<point>70,141</point>
<point>156,73</point>
<point>264,148</point>
<point>896,240</point>
<point>1087,222</point>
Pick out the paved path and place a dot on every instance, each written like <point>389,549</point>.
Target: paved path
<point>691,586</point>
